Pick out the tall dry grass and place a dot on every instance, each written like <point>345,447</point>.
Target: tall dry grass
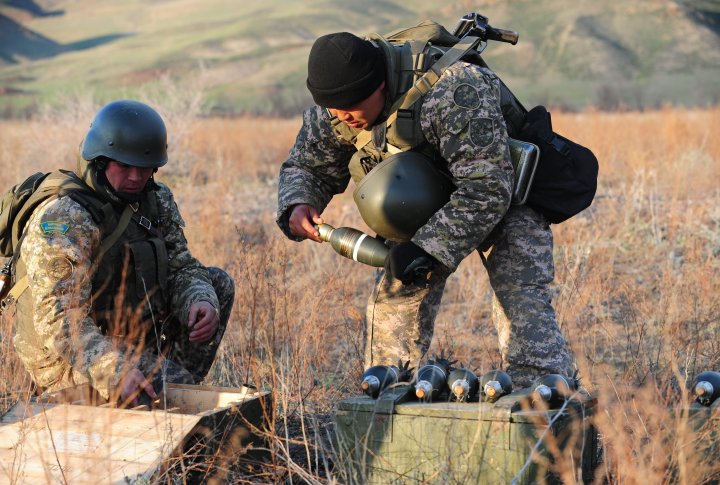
<point>637,279</point>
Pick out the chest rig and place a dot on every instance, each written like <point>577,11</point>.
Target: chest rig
<point>130,282</point>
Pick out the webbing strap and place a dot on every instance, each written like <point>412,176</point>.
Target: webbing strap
<point>423,85</point>
<point>55,184</point>
<point>22,284</point>
<point>15,292</point>
<point>119,229</point>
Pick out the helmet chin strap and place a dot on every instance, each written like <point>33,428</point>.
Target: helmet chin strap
<point>129,196</point>
<point>93,173</point>
<point>104,184</point>
<point>118,195</point>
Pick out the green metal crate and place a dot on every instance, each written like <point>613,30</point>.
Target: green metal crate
<point>705,422</point>
<point>396,440</point>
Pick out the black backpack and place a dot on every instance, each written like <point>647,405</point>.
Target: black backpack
<point>565,178</point>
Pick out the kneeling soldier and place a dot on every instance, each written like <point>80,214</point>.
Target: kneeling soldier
<point>113,297</point>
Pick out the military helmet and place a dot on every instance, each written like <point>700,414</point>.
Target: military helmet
<point>400,194</point>
<point>129,132</point>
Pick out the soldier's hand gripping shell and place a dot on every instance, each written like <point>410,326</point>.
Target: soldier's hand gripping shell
<point>408,262</point>
<point>303,220</point>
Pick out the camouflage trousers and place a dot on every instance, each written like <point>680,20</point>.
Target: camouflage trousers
<point>186,362</point>
<point>400,318</point>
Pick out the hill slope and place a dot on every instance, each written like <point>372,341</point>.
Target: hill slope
<point>251,57</point>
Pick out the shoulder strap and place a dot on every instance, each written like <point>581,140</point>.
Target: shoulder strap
<point>424,84</point>
<point>55,184</point>
<point>112,238</point>
<point>18,289</point>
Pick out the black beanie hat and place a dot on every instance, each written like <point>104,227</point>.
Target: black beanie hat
<point>343,70</point>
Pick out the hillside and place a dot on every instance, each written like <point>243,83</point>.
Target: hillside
<point>251,57</point>
<point>636,291</point>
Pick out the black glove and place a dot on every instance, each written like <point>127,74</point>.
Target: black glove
<point>406,261</point>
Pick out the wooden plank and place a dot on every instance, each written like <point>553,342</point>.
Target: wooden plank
<point>105,423</point>
<point>85,443</point>
<point>56,442</point>
<point>69,416</point>
<point>67,469</point>
<point>199,399</point>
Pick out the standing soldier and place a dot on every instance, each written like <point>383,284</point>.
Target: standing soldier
<point>458,127</point>
<point>107,291</point>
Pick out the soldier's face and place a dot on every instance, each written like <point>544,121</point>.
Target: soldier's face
<point>363,114</point>
<point>126,178</point>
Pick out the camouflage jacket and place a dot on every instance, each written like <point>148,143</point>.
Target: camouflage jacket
<point>56,332</point>
<point>462,122</point>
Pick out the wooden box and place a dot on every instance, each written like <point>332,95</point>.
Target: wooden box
<point>201,428</point>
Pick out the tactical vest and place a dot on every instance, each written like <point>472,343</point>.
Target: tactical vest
<point>405,133</point>
<point>129,283</point>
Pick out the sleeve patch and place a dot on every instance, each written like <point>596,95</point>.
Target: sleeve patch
<point>466,96</point>
<point>54,227</point>
<point>482,132</point>
<point>59,268</point>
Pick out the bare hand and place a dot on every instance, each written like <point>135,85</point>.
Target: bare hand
<point>203,322</point>
<point>302,222</point>
<point>132,385</point>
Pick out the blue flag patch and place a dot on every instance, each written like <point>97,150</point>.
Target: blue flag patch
<point>54,227</point>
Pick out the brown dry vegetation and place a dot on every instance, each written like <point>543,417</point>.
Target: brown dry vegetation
<point>637,279</point>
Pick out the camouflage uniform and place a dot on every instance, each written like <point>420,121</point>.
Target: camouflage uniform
<point>463,126</point>
<point>70,330</point>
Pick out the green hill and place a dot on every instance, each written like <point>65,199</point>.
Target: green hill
<point>250,56</point>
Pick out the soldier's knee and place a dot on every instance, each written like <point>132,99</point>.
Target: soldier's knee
<point>223,283</point>
<point>184,378</point>
<point>174,373</point>
<point>523,296</point>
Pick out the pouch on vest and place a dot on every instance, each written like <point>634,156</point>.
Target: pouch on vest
<point>524,157</point>
<point>150,277</point>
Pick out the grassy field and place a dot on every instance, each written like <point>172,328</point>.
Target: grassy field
<point>251,57</point>
<point>637,279</point>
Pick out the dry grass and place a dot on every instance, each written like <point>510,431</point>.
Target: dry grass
<point>637,279</point>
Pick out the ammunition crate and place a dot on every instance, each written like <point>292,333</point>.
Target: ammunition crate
<point>396,440</point>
